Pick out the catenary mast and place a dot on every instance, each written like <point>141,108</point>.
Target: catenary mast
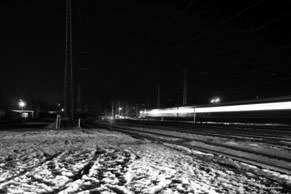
<point>68,78</point>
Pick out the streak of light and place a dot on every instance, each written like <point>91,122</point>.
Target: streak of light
<point>272,106</point>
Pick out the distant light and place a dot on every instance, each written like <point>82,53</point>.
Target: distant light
<point>52,112</point>
<point>215,100</point>
<point>62,110</point>
<point>24,115</point>
<point>119,108</point>
<point>21,103</point>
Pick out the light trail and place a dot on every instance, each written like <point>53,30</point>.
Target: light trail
<point>272,106</point>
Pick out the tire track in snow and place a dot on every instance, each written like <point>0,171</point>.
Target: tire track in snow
<point>83,171</point>
<point>50,158</point>
<point>105,174</point>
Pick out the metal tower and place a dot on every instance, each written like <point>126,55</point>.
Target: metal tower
<point>68,81</point>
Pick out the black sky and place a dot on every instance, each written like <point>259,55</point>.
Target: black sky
<point>234,49</point>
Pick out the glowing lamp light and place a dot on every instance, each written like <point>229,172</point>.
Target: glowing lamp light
<point>21,104</point>
<point>215,100</point>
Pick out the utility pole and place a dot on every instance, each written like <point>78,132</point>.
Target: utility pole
<point>136,111</point>
<point>68,79</point>
<point>79,108</point>
<point>112,109</point>
<point>148,102</point>
<point>185,88</point>
<point>158,96</point>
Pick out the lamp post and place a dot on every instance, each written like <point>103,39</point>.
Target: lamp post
<point>21,104</point>
<point>119,110</point>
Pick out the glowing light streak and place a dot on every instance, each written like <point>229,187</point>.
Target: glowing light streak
<point>246,107</point>
<point>272,106</point>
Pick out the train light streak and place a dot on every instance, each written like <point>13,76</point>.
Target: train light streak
<point>246,107</point>
<point>272,106</point>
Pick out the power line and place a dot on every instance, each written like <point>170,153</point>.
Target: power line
<point>198,36</point>
<point>272,21</point>
<point>172,19</point>
<point>225,21</point>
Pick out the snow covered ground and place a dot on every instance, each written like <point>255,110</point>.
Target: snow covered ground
<point>270,150</point>
<point>99,161</point>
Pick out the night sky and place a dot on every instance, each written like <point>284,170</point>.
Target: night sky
<point>238,50</point>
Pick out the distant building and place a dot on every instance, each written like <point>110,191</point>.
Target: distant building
<point>22,114</point>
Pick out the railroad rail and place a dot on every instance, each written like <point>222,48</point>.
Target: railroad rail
<point>273,135</point>
<point>272,161</point>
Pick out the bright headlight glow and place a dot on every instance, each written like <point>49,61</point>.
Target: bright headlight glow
<point>216,109</point>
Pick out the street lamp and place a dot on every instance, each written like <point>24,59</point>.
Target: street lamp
<point>119,110</point>
<point>215,100</point>
<point>21,104</point>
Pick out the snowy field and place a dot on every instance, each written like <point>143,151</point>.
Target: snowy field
<point>99,161</point>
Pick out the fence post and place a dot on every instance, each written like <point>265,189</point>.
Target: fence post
<point>57,122</point>
<point>58,125</point>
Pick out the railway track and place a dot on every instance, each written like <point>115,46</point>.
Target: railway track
<point>245,129</point>
<point>269,135</point>
<point>272,161</point>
